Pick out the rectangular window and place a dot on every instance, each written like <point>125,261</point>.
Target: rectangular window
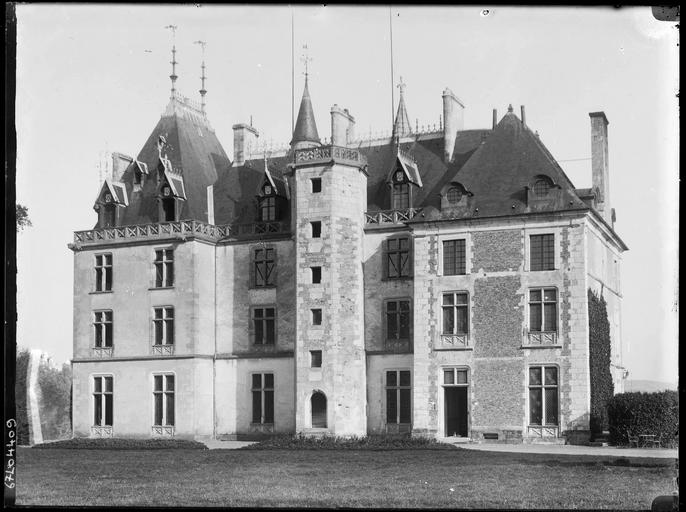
<point>455,376</point>
<point>543,310</point>
<point>316,358</point>
<point>398,397</point>
<point>542,251</point>
<point>103,396</point>
<point>163,325</point>
<point>164,268</point>
<point>316,317</point>
<point>398,257</point>
<point>316,185</point>
<point>264,325</point>
<point>316,275</point>
<point>454,258</point>
<point>264,266</point>
<point>268,209</point>
<point>543,401</point>
<point>103,272</point>
<point>262,398</point>
<point>163,398</point>
<point>455,313</point>
<point>316,229</point>
<point>401,196</point>
<point>103,324</point>
<point>398,320</point>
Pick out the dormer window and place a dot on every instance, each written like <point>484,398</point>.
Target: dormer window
<point>268,208</point>
<point>168,208</point>
<point>454,195</point>
<point>542,186</point>
<point>109,214</point>
<point>137,177</point>
<point>401,191</point>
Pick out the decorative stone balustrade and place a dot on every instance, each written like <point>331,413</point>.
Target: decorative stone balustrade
<point>543,431</point>
<point>453,341</point>
<point>162,431</point>
<point>391,216</point>
<point>97,431</point>
<point>163,350</point>
<point>326,153</point>
<point>103,352</point>
<point>180,229</point>
<point>541,339</point>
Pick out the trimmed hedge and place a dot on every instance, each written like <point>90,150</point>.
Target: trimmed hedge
<point>372,442</point>
<point>115,443</point>
<point>644,413</point>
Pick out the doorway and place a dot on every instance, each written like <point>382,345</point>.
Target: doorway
<point>456,402</point>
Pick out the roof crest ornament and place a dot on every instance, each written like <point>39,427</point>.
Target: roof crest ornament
<point>173,62</point>
<point>203,91</point>
<point>509,108</point>
<point>306,59</point>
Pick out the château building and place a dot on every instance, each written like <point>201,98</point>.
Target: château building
<point>432,282</point>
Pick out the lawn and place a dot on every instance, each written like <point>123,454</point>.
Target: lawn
<point>349,478</point>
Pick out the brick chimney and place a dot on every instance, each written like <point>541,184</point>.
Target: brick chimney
<point>600,164</point>
<point>453,116</point>
<point>342,126</point>
<point>244,143</point>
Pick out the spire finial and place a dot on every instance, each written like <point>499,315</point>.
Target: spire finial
<point>306,60</point>
<point>173,61</point>
<point>401,86</point>
<point>509,108</point>
<point>203,77</point>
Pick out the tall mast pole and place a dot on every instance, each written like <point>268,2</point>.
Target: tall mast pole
<point>173,61</point>
<point>202,91</point>
<point>390,26</point>
<point>292,73</point>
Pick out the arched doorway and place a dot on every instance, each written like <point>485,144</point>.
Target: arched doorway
<point>318,403</point>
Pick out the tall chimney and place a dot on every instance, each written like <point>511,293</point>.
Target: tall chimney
<point>495,118</point>
<point>600,163</point>
<point>244,143</point>
<point>523,115</point>
<point>453,117</point>
<point>342,126</point>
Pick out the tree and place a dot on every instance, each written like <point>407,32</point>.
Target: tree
<point>23,220</point>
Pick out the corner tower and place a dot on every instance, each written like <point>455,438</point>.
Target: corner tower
<point>329,188</point>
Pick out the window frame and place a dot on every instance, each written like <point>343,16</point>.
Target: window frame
<point>164,392</point>
<point>316,185</point>
<point>543,387</point>
<point>101,327</point>
<point>405,271</point>
<point>267,204</point>
<point>455,305</point>
<point>263,390</point>
<point>546,264</point>
<point>264,319</point>
<point>314,312</point>
<point>103,401</point>
<point>543,302</point>
<point>397,313</point>
<point>316,356</point>
<point>103,271</point>
<point>256,264</point>
<point>315,227</point>
<point>398,395</point>
<point>443,243</point>
<point>164,321</point>
<point>316,274</point>
<point>164,268</point>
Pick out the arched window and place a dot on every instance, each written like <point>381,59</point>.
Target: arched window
<point>542,186</point>
<point>318,410</point>
<point>454,195</point>
<point>109,216</point>
<point>168,209</point>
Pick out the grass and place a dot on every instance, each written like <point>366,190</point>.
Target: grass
<point>456,478</point>
<point>371,442</point>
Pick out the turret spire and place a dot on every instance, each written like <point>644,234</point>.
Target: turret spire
<point>173,61</point>
<point>401,126</point>
<point>203,77</point>
<point>305,127</point>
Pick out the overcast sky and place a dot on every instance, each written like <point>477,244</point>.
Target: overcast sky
<point>92,78</point>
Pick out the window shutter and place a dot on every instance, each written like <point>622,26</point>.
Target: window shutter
<point>384,256</point>
<point>275,267</point>
<point>251,271</point>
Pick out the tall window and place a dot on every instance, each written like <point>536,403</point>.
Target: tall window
<point>398,257</point>
<point>455,313</point>
<point>103,395</point>
<point>264,320</point>
<point>168,207</point>
<point>398,320</point>
<point>103,272</point>
<point>163,397</point>
<point>454,257</point>
<point>264,266</point>
<point>102,322</point>
<point>543,398</point>
<point>543,310</point>
<point>263,398</point>
<point>268,209</point>
<point>109,216</point>
<point>318,405</point>
<point>398,396</point>
<point>163,324</point>
<point>401,196</point>
<point>542,251</point>
<point>164,268</point>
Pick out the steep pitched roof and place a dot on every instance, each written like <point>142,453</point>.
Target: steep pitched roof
<point>193,151</point>
<point>305,126</point>
<point>401,126</point>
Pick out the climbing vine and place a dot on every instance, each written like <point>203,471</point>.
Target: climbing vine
<point>602,387</point>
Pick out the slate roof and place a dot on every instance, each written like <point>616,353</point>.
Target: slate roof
<point>195,155</point>
<point>305,126</point>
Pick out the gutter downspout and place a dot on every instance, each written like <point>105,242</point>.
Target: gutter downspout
<point>214,356</point>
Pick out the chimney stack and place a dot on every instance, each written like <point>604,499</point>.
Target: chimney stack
<point>495,118</point>
<point>342,126</point>
<point>453,122</point>
<point>244,142</point>
<point>600,164</point>
<point>523,115</point>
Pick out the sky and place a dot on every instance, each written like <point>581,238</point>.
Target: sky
<point>95,78</point>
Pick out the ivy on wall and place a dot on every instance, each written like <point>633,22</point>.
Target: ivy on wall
<point>20,397</point>
<point>602,387</point>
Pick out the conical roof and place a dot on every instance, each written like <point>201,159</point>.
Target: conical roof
<point>305,126</point>
<point>401,126</point>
